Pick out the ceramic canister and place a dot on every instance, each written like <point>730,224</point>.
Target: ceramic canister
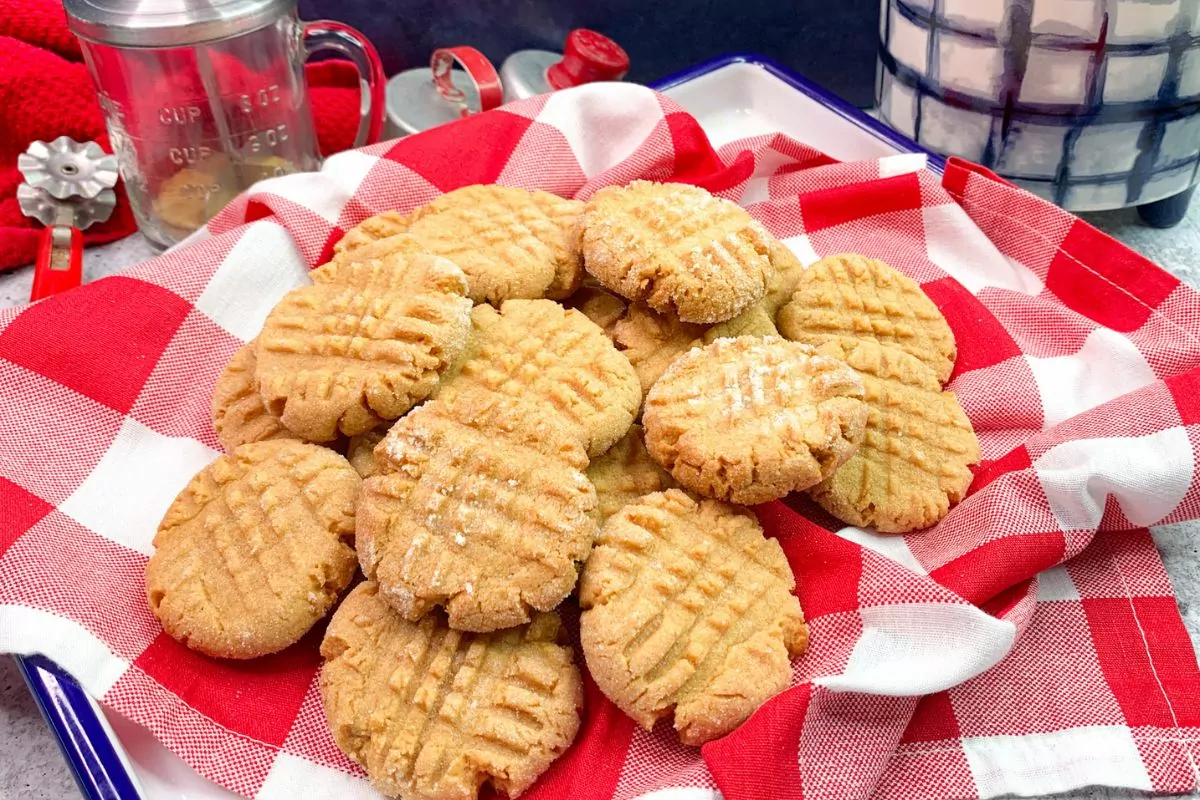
<point>1093,104</point>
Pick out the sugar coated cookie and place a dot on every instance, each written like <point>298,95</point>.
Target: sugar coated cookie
<point>689,609</point>
<point>750,420</point>
<point>253,552</point>
<point>850,297</point>
<point>914,460</point>
<point>343,358</point>
<point>676,248</point>
<point>537,350</point>
<point>482,507</point>
<point>432,713</point>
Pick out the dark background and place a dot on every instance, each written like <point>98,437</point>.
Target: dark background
<point>832,42</point>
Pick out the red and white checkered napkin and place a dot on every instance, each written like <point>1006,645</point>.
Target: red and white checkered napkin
<point>1028,644</point>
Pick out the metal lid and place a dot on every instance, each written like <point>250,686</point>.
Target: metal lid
<point>169,23</point>
<point>414,104</point>
<point>423,98</point>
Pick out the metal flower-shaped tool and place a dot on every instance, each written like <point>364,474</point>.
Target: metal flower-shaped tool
<point>68,187</point>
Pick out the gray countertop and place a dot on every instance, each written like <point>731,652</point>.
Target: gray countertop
<point>32,769</point>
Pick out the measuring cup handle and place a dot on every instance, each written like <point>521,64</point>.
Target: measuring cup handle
<point>329,35</point>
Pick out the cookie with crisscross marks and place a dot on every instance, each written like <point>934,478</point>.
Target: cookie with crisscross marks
<point>482,507</point>
<point>538,350</point>
<point>511,243</point>
<point>688,607</point>
<point>759,319</point>
<point>750,420</point>
<point>677,249</point>
<point>253,551</point>
<point>238,413</point>
<point>624,474</point>
<point>344,357</point>
<point>651,341</point>
<point>850,297</point>
<point>371,229</point>
<point>370,262</point>
<point>915,457</point>
<point>432,713</point>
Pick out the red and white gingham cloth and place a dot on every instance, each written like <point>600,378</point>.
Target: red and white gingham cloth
<point>1028,644</point>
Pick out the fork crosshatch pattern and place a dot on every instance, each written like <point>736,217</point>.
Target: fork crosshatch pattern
<point>1030,643</point>
<point>1089,103</point>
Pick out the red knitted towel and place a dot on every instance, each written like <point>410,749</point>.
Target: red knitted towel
<point>46,92</point>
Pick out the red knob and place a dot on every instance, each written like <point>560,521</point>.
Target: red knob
<point>588,56</point>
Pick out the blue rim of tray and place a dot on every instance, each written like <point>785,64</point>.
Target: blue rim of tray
<point>850,113</point>
<point>92,756</point>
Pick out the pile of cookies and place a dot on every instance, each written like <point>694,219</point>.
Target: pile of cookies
<point>451,407</point>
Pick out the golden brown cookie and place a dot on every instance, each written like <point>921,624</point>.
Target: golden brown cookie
<point>788,273</point>
<point>598,304</point>
<point>759,319</point>
<point>651,341</point>
<point>483,507</point>
<point>432,713</point>
<point>238,413</point>
<point>539,351</point>
<point>676,248</point>
<point>371,229</point>
<point>624,474</point>
<point>564,241</point>
<point>689,608</point>
<point>850,297</point>
<point>754,321</point>
<point>913,463</point>
<point>360,452</point>
<point>510,242</point>
<point>345,357</point>
<point>750,420</point>
<point>361,265</point>
<point>253,552</point>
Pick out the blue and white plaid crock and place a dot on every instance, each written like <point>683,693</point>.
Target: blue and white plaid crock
<point>1093,104</point>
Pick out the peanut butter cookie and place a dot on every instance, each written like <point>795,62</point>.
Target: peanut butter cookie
<point>510,242</point>
<point>360,452</point>
<point>598,304</point>
<point>676,248</point>
<point>253,552</point>
<point>689,608</point>
<point>850,297</point>
<point>345,357</point>
<point>651,341</point>
<point>432,713</point>
<point>539,351</point>
<point>914,459</point>
<point>371,229</point>
<point>759,319</point>
<point>564,239</point>
<point>361,265</point>
<point>238,412</point>
<point>754,321</point>
<point>482,507</point>
<point>750,420</point>
<point>624,474</point>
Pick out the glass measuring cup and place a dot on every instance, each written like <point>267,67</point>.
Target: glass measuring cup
<point>202,99</point>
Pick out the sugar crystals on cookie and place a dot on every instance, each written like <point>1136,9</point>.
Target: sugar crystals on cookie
<point>750,420</point>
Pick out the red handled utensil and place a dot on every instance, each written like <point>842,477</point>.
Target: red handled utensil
<point>68,187</point>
